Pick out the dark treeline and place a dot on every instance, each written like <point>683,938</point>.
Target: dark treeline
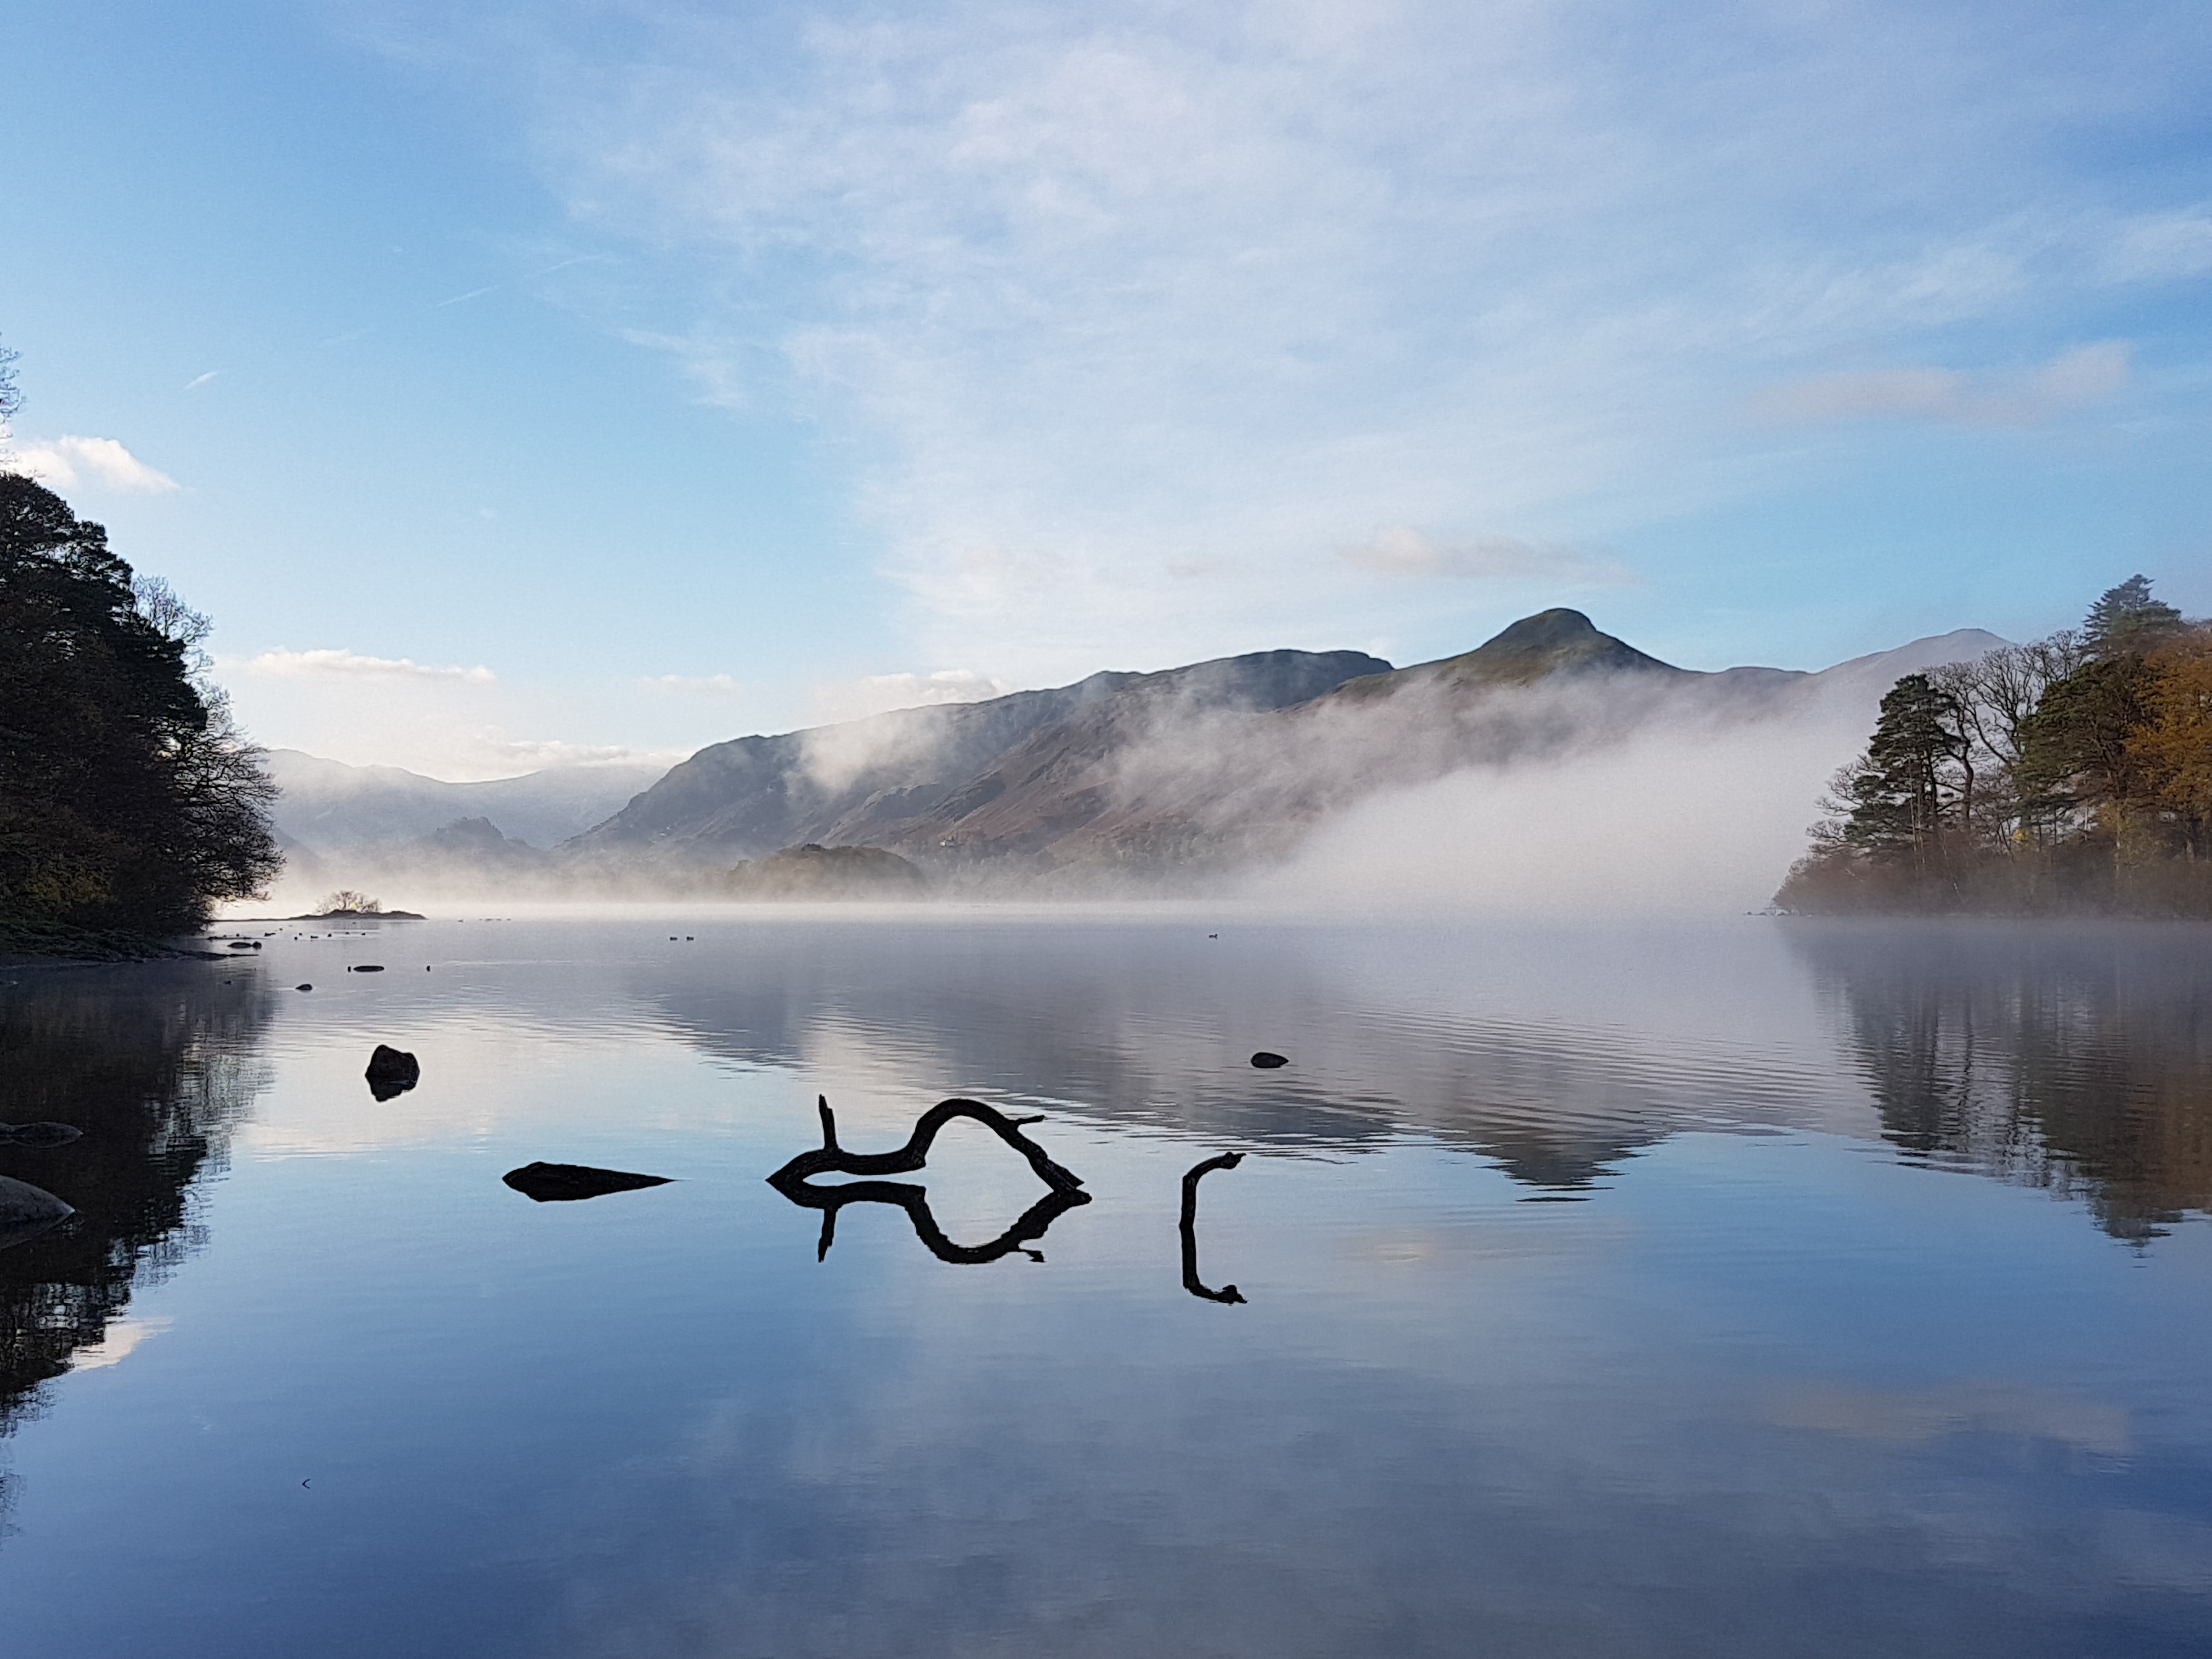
<point>2073,773</point>
<point>129,802</point>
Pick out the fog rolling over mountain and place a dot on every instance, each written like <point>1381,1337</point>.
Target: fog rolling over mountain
<point>1204,769</point>
<point>1552,752</point>
<point>1012,777</point>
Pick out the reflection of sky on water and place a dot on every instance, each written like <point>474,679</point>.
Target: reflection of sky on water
<point>1755,1393</point>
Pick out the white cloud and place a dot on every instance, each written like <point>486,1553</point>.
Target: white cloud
<point>1140,314</point>
<point>488,748</point>
<point>329,664</point>
<point>67,462</point>
<point>2088,374</point>
<point>1400,550</point>
<point>706,685</point>
<point>879,693</point>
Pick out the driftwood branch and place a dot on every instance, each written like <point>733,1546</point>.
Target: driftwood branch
<point>1188,1227</point>
<point>830,1157</point>
<point>915,1200</point>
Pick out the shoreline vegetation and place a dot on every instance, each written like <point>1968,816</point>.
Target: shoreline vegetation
<point>131,804</point>
<point>2068,776</point>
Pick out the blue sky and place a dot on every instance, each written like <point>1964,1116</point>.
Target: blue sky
<point>522,384</point>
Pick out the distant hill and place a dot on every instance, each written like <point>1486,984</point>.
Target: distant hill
<point>1196,766</point>
<point>1189,769</point>
<point>328,805</point>
<point>1012,775</point>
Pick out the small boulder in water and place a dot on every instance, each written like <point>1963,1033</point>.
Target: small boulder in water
<point>391,1072</point>
<point>38,1134</point>
<point>554,1184</point>
<point>26,1211</point>
<point>1268,1062</point>
<point>369,968</point>
<point>303,988</point>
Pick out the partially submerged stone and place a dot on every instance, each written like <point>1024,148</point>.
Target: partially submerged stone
<point>391,1072</point>
<point>26,1211</point>
<point>38,1134</point>
<point>1267,1062</point>
<point>555,1183</point>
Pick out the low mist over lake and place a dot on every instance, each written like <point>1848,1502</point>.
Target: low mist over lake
<point>1581,1282</point>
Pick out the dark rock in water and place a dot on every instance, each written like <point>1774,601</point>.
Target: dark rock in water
<point>367,968</point>
<point>38,1134</point>
<point>303,988</point>
<point>26,1211</point>
<point>245,945</point>
<point>1267,1062</point>
<point>553,1183</point>
<point>391,1072</point>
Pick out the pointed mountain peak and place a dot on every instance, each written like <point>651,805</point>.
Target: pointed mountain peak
<point>1555,642</point>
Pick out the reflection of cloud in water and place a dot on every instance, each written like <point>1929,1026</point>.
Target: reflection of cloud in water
<point>1908,1416</point>
<point>121,1341</point>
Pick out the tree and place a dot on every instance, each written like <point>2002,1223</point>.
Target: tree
<point>1914,781</point>
<point>2125,621</point>
<point>2075,763</point>
<point>128,800</point>
<point>2172,744</point>
<point>11,399</point>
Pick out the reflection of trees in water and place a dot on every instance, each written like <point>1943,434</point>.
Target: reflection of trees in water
<point>154,1063</point>
<point>2073,1058</point>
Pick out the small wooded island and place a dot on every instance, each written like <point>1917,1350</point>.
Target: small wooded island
<point>2071,775</point>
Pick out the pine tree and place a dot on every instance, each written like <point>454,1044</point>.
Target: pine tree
<point>2126,621</point>
<point>1903,796</point>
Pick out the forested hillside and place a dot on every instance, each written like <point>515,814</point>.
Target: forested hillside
<point>128,800</point>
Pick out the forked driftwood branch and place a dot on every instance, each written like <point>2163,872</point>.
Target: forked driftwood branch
<point>830,1157</point>
<point>1029,1226</point>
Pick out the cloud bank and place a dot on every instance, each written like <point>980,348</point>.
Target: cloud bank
<point>336,664</point>
<point>69,462</point>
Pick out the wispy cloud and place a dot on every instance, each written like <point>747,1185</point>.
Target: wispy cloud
<point>2086,375</point>
<point>336,664</point>
<point>879,693</point>
<point>1148,314</point>
<point>1401,551</point>
<point>201,379</point>
<point>69,462</point>
<point>705,685</point>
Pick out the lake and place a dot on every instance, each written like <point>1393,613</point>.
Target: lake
<point>1759,1286</point>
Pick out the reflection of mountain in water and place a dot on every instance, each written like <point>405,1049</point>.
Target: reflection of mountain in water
<point>1124,1025</point>
<point>153,1063</point>
<point>2076,1058</point>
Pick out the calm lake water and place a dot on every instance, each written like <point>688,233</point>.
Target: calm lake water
<point>1766,1287</point>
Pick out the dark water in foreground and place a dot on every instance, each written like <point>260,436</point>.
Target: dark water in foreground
<point>1767,1288</point>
